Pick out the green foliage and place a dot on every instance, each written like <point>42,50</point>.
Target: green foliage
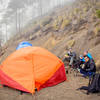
<point>98,23</point>
<point>65,23</point>
<point>61,22</point>
<point>55,25</point>
<point>85,9</point>
<point>98,13</point>
<point>76,10</point>
<point>57,22</point>
<point>70,43</point>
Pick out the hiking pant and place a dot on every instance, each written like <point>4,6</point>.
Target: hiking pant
<point>85,73</point>
<point>71,60</point>
<point>66,59</point>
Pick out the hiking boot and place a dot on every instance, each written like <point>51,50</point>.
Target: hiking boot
<point>66,71</point>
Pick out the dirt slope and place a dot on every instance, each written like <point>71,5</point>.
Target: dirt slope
<point>64,91</point>
<point>75,26</point>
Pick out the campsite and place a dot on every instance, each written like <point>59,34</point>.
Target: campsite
<point>36,37</point>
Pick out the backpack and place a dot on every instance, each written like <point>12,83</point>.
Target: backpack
<point>93,86</point>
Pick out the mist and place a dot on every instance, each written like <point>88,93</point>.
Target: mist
<point>16,14</point>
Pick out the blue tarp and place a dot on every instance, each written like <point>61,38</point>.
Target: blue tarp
<point>23,44</point>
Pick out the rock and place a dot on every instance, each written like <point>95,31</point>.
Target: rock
<point>32,37</point>
<point>37,28</point>
<point>47,21</point>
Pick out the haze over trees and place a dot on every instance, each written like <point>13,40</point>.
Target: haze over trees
<point>15,14</point>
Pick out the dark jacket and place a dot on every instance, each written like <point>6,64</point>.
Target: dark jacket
<point>72,54</point>
<point>90,66</point>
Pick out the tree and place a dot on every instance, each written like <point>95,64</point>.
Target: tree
<point>40,7</point>
<point>1,39</point>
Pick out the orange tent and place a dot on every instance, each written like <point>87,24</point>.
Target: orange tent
<point>32,67</point>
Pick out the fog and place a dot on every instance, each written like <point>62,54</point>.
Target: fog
<point>15,14</point>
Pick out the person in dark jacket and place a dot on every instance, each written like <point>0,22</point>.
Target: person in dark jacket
<point>86,53</point>
<point>81,60</point>
<point>89,67</point>
<point>71,55</point>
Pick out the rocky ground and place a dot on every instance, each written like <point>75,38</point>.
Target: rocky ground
<point>64,91</point>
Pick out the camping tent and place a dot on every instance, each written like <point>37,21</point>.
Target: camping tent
<point>32,67</point>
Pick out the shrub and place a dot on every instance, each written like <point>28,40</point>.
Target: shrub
<point>70,43</point>
<point>65,23</point>
<point>85,9</point>
<point>50,43</point>
<point>57,22</point>
<point>55,25</point>
<point>98,13</point>
<point>76,10</point>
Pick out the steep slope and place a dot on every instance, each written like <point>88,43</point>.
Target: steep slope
<point>76,26</point>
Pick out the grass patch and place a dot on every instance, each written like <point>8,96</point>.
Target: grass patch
<point>98,13</point>
<point>65,23</point>
<point>70,43</point>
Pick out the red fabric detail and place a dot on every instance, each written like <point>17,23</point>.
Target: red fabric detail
<point>58,77</point>
<point>6,80</point>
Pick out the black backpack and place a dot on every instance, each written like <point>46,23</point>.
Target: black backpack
<point>94,85</point>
